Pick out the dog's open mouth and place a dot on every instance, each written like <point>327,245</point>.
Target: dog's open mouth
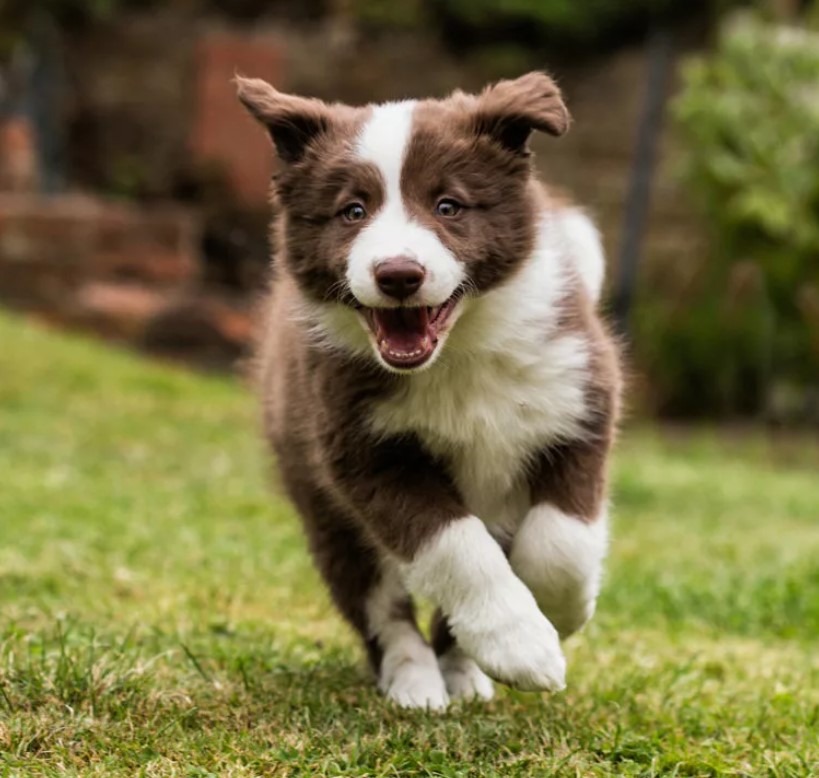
<point>408,336</point>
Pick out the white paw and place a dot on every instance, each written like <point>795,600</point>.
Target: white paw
<point>414,682</point>
<point>526,655</point>
<point>515,643</point>
<point>464,679</point>
<point>409,674</point>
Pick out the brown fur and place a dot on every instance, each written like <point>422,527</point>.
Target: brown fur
<point>354,492</point>
<point>573,475</point>
<point>360,494</point>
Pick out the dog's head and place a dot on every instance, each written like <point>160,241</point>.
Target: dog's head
<point>396,213</point>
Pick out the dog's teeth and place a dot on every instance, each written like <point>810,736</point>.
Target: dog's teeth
<point>405,354</point>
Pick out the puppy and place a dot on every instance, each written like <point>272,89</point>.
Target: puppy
<point>438,388</point>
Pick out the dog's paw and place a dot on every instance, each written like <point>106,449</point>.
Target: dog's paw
<point>464,679</point>
<point>524,653</point>
<point>526,656</point>
<point>415,684</point>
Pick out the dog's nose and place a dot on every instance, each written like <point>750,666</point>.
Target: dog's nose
<point>399,277</point>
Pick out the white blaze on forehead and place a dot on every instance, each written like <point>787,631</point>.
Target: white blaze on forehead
<point>391,231</point>
<point>384,140</point>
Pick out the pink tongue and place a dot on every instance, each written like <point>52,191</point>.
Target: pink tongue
<point>403,333</point>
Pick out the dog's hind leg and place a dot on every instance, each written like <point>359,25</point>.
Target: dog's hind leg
<point>370,594</point>
<point>464,679</point>
<point>408,670</point>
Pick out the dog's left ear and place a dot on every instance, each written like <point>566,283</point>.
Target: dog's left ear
<point>509,110</point>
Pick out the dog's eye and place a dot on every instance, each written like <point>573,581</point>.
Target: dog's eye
<point>448,208</point>
<point>354,212</point>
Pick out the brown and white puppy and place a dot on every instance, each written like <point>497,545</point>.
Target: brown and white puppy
<point>438,388</point>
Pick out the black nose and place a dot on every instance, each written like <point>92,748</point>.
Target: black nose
<point>399,277</point>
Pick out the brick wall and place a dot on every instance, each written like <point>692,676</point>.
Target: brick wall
<point>121,271</point>
<point>223,135</point>
<point>49,247</point>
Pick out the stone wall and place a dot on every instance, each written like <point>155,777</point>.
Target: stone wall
<point>126,272</point>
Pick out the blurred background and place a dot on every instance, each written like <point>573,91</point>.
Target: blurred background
<point>133,185</point>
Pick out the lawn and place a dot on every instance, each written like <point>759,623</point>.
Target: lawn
<point>160,616</point>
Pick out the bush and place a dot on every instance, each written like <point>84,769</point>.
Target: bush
<point>749,333</point>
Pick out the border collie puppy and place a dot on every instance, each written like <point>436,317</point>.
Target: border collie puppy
<point>438,387</point>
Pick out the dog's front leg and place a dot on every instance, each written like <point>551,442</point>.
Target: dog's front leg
<point>559,549</point>
<point>560,558</point>
<point>490,612</point>
<point>410,507</point>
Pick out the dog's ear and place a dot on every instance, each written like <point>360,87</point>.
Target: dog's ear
<point>291,121</point>
<point>508,111</point>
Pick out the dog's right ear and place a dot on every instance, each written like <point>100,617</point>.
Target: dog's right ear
<point>291,121</point>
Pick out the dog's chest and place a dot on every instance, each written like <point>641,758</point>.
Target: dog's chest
<point>486,416</point>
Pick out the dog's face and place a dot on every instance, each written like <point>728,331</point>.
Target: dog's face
<point>398,212</point>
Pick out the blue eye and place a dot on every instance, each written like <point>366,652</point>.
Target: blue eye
<point>354,212</point>
<point>448,208</point>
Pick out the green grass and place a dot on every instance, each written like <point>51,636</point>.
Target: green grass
<point>160,616</point>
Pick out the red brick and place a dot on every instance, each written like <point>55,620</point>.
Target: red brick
<point>50,246</point>
<point>19,167</point>
<point>121,311</point>
<point>223,135</point>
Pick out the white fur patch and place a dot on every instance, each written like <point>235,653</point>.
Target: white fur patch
<point>391,232</point>
<point>409,673</point>
<point>383,141</point>
<point>584,248</point>
<point>508,383</point>
<point>491,613</point>
<point>560,559</point>
<point>335,327</point>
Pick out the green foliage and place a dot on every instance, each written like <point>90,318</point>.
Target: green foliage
<point>749,117</point>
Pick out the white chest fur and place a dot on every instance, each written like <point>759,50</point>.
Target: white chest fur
<point>508,383</point>
<point>486,416</point>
